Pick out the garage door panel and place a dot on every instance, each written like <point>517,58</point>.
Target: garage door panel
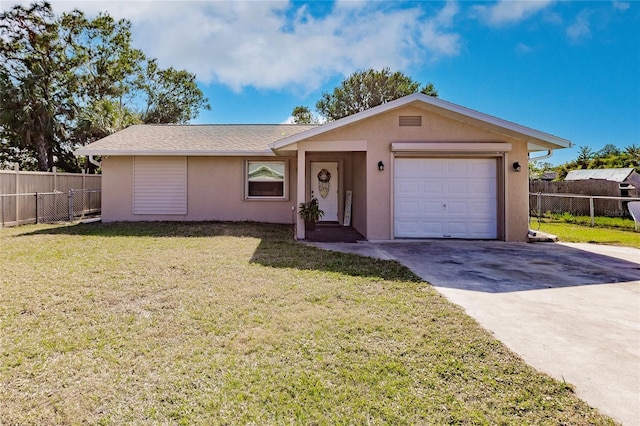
<point>405,172</point>
<point>457,169</point>
<point>432,229</point>
<point>408,188</point>
<point>482,209</point>
<point>456,198</point>
<point>457,188</point>
<point>457,229</point>
<point>483,187</point>
<point>408,208</point>
<point>433,187</point>
<point>429,171</point>
<point>409,169</point>
<point>483,168</point>
<point>458,207</point>
<point>406,227</point>
<point>431,208</point>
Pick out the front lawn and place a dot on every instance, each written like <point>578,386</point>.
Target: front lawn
<point>570,233</point>
<point>215,323</point>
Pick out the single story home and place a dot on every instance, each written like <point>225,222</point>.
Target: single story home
<point>416,167</point>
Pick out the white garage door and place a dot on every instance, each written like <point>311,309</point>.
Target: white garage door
<point>445,198</point>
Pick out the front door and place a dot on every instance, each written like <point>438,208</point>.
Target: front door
<point>324,187</point>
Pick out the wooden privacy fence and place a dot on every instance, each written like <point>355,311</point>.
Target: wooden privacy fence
<point>32,197</point>
<point>21,182</point>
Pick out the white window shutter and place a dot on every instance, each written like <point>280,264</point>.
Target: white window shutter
<point>160,185</point>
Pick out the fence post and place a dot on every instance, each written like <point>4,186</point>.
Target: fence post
<point>539,205</point>
<point>36,208</point>
<point>591,212</point>
<point>16,167</point>
<point>70,205</point>
<point>2,212</point>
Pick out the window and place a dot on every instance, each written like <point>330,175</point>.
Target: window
<point>265,179</point>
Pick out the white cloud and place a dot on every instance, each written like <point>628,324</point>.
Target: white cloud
<point>435,34</point>
<point>581,28</point>
<point>523,49</point>
<point>262,44</point>
<point>509,11</point>
<point>621,5</point>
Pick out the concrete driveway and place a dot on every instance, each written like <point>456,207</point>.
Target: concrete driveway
<point>570,310</point>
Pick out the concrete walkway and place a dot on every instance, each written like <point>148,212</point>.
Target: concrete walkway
<point>569,310</point>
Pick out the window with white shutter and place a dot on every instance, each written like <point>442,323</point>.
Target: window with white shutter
<point>160,185</point>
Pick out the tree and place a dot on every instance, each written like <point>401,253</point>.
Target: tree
<point>608,157</point>
<point>537,168</point>
<point>366,89</point>
<point>58,74</point>
<point>609,150</point>
<point>632,153</point>
<point>100,119</point>
<point>172,95</point>
<point>303,115</point>
<point>34,80</point>
<point>585,155</point>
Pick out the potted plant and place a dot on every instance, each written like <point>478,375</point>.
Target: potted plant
<point>310,212</point>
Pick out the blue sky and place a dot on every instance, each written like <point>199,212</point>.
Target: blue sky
<point>569,68</point>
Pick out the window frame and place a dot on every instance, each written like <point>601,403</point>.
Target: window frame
<point>285,181</point>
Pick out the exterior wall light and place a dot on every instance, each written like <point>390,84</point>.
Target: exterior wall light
<point>380,165</point>
<point>516,166</point>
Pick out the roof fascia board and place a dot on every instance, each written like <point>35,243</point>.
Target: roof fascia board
<point>180,153</point>
<point>498,122</point>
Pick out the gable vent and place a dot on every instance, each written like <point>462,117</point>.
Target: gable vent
<point>410,120</point>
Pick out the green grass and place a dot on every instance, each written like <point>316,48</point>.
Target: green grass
<point>624,223</point>
<point>585,234</point>
<point>216,323</point>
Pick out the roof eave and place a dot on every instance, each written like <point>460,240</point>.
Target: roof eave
<point>183,153</point>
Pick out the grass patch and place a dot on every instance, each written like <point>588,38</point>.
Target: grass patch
<point>571,233</point>
<point>215,323</point>
<point>624,223</point>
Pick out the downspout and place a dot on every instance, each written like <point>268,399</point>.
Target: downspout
<point>94,161</point>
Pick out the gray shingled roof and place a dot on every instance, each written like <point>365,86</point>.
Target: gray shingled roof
<point>193,139</point>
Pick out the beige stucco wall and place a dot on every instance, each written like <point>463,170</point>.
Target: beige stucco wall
<point>381,131</point>
<point>215,192</point>
<point>359,202</point>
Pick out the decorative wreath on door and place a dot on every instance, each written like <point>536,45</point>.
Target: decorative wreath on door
<point>323,182</point>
